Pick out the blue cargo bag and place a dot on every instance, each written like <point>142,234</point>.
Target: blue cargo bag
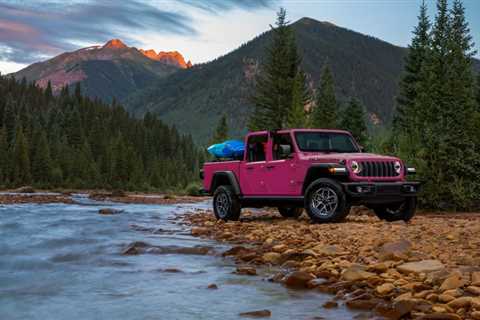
<point>228,149</point>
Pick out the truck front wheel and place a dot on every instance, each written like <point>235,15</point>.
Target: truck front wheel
<point>404,210</point>
<point>290,212</point>
<point>226,204</point>
<point>325,201</point>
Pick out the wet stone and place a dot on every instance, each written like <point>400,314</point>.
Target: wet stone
<point>256,314</point>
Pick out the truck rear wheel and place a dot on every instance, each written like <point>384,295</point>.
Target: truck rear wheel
<point>404,210</point>
<point>226,204</point>
<point>325,201</point>
<point>290,212</point>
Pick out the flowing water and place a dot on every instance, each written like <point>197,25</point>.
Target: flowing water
<point>63,261</point>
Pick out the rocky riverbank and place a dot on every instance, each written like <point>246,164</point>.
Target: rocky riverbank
<point>426,269</point>
<point>30,195</point>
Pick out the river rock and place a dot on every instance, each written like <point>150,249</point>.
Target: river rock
<point>473,290</point>
<point>248,271</point>
<point>356,273</point>
<point>135,248</point>
<point>109,211</point>
<point>272,257</point>
<point>397,250</point>
<point>395,310</point>
<point>453,281</point>
<point>475,315</point>
<point>330,304</point>
<point>476,278</point>
<point>256,314</point>
<point>385,288</point>
<point>212,286</point>
<point>298,279</point>
<point>199,231</point>
<point>440,316</point>
<point>25,189</point>
<point>367,303</point>
<point>461,302</point>
<point>423,266</point>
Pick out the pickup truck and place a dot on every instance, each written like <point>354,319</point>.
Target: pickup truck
<point>322,171</point>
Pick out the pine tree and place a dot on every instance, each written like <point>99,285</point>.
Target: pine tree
<point>417,54</point>
<point>221,131</point>
<point>42,162</point>
<point>48,91</point>
<point>21,170</point>
<point>274,85</point>
<point>300,98</point>
<point>4,157</point>
<point>353,120</point>
<point>324,115</point>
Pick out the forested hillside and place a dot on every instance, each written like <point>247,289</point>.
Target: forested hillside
<point>75,142</point>
<point>194,99</point>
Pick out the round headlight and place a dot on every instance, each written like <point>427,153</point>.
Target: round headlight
<point>356,168</point>
<point>397,166</point>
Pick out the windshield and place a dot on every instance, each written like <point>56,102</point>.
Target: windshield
<point>325,142</point>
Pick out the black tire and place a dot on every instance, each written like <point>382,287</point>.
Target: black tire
<point>290,212</point>
<point>404,210</point>
<point>332,190</point>
<point>226,204</point>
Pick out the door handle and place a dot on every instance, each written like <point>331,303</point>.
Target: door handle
<point>270,167</point>
<point>249,168</point>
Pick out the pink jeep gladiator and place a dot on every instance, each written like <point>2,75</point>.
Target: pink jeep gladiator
<point>324,172</point>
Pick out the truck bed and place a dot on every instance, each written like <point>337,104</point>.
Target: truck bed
<point>209,168</point>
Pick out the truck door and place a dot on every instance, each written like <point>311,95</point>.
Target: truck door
<point>282,168</point>
<point>253,174</point>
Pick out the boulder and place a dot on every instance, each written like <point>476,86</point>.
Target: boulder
<point>298,279</point>
<point>212,286</point>
<point>397,250</point>
<point>475,315</point>
<point>256,314</point>
<point>474,290</point>
<point>462,302</point>
<point>424,266</point>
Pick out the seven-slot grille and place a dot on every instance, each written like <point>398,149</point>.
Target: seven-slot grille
<point>377,169</point>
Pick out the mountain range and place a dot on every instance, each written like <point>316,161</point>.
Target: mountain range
<point>111,70</point>
<point>193,98</point>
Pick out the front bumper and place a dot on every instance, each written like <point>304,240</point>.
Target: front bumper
<point>382,189</point>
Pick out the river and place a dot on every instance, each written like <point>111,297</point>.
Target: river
<point>64,261</point>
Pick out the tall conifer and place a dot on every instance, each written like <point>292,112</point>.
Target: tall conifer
<point>274,84</point>
<point>353,120</point>
<point>325,113</point>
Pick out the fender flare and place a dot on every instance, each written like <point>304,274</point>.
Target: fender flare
<point>321,170</point>
<point>220,177</point>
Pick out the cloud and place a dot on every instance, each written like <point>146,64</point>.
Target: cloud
<point>33,31</point>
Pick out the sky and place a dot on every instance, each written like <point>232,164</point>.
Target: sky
<point>201,30</point>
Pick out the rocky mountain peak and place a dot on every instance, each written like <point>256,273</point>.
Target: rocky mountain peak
<point>115,44</point>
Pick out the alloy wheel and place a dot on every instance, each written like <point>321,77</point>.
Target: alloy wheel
<point>324,201</point>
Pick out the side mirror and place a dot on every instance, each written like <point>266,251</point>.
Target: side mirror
<point>362,149</point>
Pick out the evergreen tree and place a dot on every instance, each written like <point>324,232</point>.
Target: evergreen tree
<point>48,91</point>
<point>221,131</point>
<point>324,115</point>
<point>300,98</point>
<point>274,85</point>
<point>417,54</point>
<point>21,170</point>
<point>4,157</point>
<point>42,162</point>
<point>353,120</point>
